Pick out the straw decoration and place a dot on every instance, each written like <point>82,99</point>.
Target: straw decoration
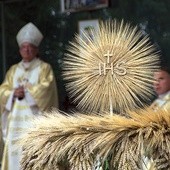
<point>107,71</point>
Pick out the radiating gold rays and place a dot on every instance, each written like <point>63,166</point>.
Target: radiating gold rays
<point>78,139</point>
<point>111,70</point>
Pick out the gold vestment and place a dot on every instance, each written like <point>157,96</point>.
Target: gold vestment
<point>44,92</point>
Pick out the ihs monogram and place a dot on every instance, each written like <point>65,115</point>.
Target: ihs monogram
<point>117,68</point>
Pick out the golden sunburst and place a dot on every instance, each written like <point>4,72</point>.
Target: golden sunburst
<point>110,69</point>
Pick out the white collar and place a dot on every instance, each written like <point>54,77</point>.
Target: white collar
<point>161,96</point>
<point>29,65</point>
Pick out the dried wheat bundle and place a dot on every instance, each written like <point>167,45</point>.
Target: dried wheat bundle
<point>108,69</point>
<point>156,136</point>
<point>78,139</point>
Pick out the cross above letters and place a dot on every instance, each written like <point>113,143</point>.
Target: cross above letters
<point>108,55</point>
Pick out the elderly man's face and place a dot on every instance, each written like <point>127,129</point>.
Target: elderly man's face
<point>162,82</point>
<point>28,51</point>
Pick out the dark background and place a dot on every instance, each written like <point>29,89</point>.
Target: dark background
<point>153,16</point>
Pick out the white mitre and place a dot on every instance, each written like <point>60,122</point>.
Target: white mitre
<point>29,33</point>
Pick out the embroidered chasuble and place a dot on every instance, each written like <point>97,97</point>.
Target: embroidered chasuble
<point>40,94</point>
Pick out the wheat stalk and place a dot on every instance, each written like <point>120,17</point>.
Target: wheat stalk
<point>78,139</point>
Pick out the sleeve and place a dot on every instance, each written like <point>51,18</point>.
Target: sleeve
<point>45,92</point>
<point>6,88</point>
